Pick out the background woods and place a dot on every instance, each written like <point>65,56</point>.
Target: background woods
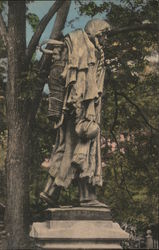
<point>130,114</point>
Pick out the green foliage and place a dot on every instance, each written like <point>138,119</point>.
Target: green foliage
<point>3,52</point>
<point>33,20</point>
<point>43,137</point>
<point>130,117</point>
<point>30,83</point>
<point>2,5</point>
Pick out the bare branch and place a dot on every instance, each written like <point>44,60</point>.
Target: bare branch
<point>3,30</point>
<point>115,139</point>
<point>79,1</point>
<point>116,176</point>
<point>138,109</point>
<point>125,184</point>
<point>141,27</point>
<point>116,110</point>
<point>44,64</point>
<point>41,27</point>
<point>57,28</point>
<point>121,167</point>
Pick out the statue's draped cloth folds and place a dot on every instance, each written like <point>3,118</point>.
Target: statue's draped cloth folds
<point>79,155</point>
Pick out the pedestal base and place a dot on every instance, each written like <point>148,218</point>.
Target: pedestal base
<point>77,228</point>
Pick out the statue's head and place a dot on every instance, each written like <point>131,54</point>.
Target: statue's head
<point>97,28</point>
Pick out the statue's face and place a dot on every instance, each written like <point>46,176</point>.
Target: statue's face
<point>102,38</point>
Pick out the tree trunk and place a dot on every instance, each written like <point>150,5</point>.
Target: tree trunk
<point>18,132</point>
<point>45,62</point>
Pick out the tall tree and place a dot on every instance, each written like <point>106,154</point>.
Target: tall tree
<point>18,128</point>
<point>21,112</point>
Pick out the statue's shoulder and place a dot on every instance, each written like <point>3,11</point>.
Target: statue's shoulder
<point>75,35</point>
<point>79,39</point>
<point>81,50</point>
<point>75,32</point>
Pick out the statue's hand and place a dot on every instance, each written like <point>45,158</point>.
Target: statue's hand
<point>46,164</point>
<point>87,130</point>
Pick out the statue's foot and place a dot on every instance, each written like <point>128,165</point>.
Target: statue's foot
<point>46,198</point>
<point>93,203</point>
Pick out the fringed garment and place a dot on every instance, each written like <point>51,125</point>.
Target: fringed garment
<point>74,156</point>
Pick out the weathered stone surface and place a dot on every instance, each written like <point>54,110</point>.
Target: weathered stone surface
<point>79,246</point>
<point>75,231</point>
<point>76,213</point>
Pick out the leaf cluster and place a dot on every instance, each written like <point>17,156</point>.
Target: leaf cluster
<point>130,117</point>
<point>33,20</point>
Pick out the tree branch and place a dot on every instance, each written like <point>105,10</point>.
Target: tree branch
<point>57,28</point>
<point>125,184</point>
<point>115,139</point>
<point>44,63</point>
<point>79,1</point>
<point>3,30</point>
<point>141,27</point>
<point>138,109</point>
<point>116,110</point>
<point>41,27</point>
<point>123,176</point>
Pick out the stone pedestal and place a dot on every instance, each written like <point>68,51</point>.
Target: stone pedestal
<point>77,228</point>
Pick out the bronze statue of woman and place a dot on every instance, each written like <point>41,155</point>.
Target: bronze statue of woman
<point>77,154</point>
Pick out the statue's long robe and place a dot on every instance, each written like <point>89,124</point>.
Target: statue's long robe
<point>72,157</point>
